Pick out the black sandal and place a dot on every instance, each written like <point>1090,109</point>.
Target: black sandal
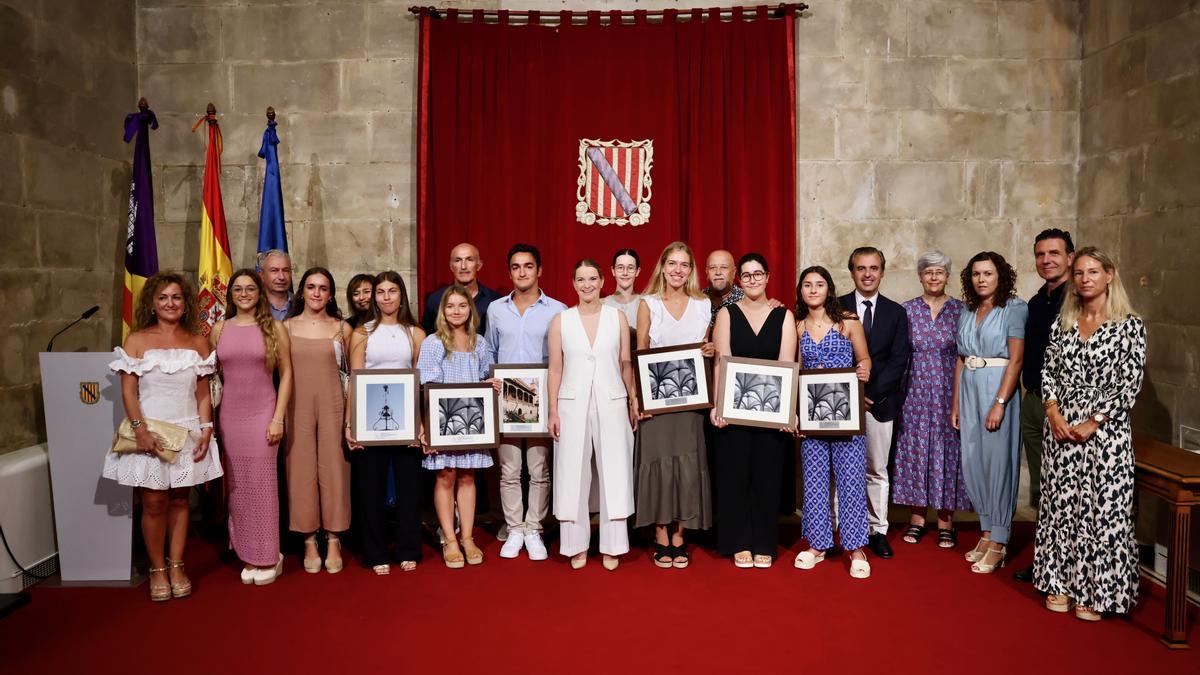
<point>914,533</point>
<point>663,555</point>
<point>947,538</point>
<point>682,558</point>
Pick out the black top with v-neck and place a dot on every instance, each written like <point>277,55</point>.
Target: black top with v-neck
<point>744,343</point>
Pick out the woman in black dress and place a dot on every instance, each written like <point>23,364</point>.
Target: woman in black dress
<point>750,459</point>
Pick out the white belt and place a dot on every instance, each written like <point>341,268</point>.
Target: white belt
<point>977,362</point>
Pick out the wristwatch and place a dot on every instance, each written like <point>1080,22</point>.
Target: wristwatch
<point>1099,418</point>
<point>1000,400</point>
<point>134,424</point>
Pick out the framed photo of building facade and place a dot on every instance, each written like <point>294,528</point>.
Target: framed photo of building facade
<point>757,392</point>
<point>461,416</point>
<point>672,379</point>
<point>524,406</point>
<point>831,402</point>
<point>384,404</point>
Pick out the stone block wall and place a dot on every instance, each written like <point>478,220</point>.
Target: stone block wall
<point>935,124</point>
<point>955,124</point>
<point>67,78</point>
<point>1139,185</point>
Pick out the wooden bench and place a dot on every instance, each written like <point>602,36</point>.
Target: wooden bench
<point>1172,474</point>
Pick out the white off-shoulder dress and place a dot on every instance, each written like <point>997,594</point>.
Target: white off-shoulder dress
<point>167,392</point>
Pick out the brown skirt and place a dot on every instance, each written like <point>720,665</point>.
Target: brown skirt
<point>671,472</point>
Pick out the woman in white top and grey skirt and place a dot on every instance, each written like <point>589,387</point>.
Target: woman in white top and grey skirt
<point>670,458</point>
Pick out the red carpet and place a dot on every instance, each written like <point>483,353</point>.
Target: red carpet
<point>921,612</point>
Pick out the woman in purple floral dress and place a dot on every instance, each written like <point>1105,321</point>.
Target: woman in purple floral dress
<point>928,469</point>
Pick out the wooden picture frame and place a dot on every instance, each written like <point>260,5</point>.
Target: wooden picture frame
<point>758,392</point>
<point>384,404</point>
<point>524,399</point>
<point>461,416</point>
<point>672,379</point>
<point>831,403</point>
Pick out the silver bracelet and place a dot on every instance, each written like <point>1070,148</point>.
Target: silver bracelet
<point>206,425</point>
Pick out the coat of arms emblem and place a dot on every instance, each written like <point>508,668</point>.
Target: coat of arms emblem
<point>89,392</point>
<point>614,182</point>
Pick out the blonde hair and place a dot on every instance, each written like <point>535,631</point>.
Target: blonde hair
<point>444,332</point>
<point>1116,306</point>
<point>262,315</point>
<point>658,281</point>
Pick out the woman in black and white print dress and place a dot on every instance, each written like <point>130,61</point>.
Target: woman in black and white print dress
<point>1086,555</point>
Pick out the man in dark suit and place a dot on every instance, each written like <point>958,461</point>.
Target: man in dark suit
<point>465,264</point>
<point>886,326</point>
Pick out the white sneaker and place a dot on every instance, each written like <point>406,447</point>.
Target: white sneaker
<point>512,545</point>
<point>535,546</point>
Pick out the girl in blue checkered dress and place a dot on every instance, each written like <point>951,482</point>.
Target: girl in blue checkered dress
<point>831,337</point>
<point>456,353</point>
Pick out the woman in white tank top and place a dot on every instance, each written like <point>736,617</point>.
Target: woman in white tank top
<point>673,491</point>
<point>390,338</point>
<point>592,418</point>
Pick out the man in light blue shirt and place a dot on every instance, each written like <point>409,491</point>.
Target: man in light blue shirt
<point>516,330</point>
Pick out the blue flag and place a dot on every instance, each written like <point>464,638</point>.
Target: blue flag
<point>271,233</point>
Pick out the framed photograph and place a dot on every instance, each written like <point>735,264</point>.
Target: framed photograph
<point>831,402</point>
<point>672,379</point>
<point>758,392</point>
<point>384,405</point>
<point>524,408</point>
<point>461,416</point>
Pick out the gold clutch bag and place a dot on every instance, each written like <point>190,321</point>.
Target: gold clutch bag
<point>171,438</point>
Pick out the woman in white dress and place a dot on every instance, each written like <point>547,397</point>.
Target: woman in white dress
<point>165,367</point>
<point>673,488</point>
<point>592,418</point>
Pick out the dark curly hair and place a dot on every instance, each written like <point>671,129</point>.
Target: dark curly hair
<point>833,306</point>
<point>143,313</point>
<point>1006,286</point>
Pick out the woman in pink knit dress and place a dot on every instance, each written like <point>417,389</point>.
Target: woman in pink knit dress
<point>252,346</point>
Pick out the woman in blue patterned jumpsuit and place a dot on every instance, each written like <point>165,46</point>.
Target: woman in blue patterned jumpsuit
<point>831,337</point>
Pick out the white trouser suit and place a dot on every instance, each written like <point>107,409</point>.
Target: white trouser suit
<point>593,415</point>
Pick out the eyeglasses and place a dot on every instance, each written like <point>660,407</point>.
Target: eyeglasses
<point>757,275</point>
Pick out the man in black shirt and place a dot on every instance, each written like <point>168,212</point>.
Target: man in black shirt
<point>465,264</point>
<point>1053,253</point>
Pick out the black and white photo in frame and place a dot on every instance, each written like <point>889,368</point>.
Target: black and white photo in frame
<point>757,392</point>
<point>461,416</point>
<point>524,408</point>
<point>672,379</point>
<point>831,402</point>
<point>384,402</point>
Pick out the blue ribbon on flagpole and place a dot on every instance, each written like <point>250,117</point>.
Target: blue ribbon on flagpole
<point>271,232</point>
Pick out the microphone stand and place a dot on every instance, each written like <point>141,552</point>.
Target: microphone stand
<point>87,314</point>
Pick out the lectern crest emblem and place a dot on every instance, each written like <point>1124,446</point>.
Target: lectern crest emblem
<point>614,182</point>
<point>89,392</point>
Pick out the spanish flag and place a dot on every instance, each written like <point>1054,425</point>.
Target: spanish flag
<point>141,250</point>
<point>215,264</point>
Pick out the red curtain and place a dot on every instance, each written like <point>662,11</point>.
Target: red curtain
<point>503,108</point>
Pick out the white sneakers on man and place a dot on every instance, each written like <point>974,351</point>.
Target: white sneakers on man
<point>535,546</point>
<point>512,545</point>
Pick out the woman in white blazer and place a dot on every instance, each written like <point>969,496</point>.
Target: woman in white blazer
<point>592,418</point>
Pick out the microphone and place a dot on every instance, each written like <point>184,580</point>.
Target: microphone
<point>86,315</point>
